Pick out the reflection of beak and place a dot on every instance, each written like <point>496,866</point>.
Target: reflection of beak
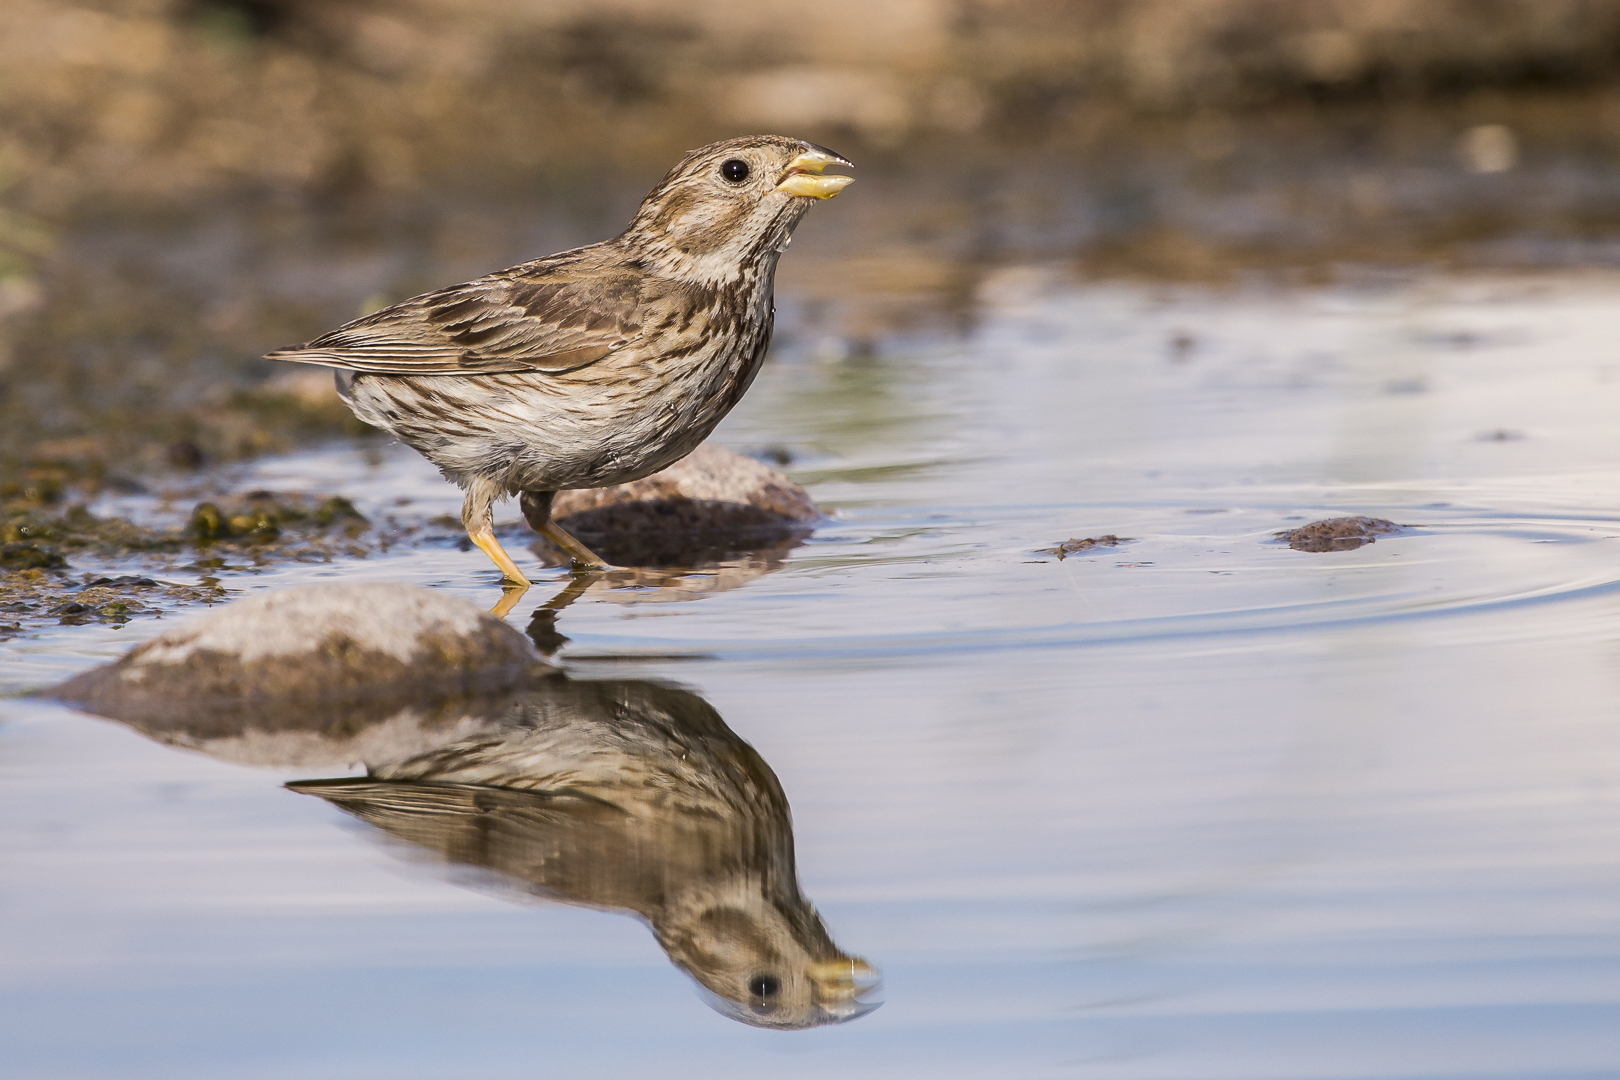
<point>843,979</point>
<point>803,175</point>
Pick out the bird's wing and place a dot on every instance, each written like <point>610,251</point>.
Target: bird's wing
<point>429,812</point>
<point>518,320</point>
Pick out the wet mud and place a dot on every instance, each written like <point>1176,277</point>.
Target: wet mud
<point>35,597</point>
<point>47,547</point>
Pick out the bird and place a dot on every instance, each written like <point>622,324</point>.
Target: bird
<point>594,366</point>
<point>626,796</point>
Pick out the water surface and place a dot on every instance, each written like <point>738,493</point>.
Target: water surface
<point>1192,805</point>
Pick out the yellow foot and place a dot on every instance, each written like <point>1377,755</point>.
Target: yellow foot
<point>575,550</point>
<point>509,598</point>
<point>485,539</point>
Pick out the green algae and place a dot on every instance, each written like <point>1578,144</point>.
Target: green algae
<point>45,547</point>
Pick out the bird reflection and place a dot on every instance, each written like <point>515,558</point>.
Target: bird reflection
<point>635,797</point>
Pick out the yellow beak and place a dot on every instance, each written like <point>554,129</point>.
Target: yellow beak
<point>842,979</point>
<point>803,175</point>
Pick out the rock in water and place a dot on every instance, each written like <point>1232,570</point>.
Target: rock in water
<point>1077,546</point>
<point>1338,534</point>
<point>316,644</point>
<point>711,504</point>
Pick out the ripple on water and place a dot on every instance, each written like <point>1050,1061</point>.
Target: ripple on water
<point>1198,804</point>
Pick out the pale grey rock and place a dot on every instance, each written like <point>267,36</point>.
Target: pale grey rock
<point>279,653</point>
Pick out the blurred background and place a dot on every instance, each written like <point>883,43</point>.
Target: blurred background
<point>185,184</point>
<point>1108,778</point>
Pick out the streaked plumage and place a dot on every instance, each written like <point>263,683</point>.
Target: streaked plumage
<point>595,366</point>
<point>634,797</point>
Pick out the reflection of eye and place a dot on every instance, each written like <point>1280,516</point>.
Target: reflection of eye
<point>764,986</point>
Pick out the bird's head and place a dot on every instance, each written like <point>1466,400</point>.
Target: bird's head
<point>731,206</point>
<point>763,957</point>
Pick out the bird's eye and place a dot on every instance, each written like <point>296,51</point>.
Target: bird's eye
<point>764,986</point>
<point>735,170</point>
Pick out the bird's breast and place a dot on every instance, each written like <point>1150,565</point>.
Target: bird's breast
<point>652,402</point>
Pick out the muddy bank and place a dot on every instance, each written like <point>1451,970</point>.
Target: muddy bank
<point>707,523</point>
<point>49,543</point>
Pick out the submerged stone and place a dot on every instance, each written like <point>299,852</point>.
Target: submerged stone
<point>1077,547</point>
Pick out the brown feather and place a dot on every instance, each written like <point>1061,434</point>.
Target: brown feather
<point>522,319</point>
<point>590,367</point>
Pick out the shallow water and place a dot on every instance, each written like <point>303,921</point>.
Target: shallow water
<point>1195,805</point>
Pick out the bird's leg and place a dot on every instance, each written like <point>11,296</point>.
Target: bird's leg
<point>578,583</point>
<point>510,595</point>
<point>477,514</point>
<point>537,508</point>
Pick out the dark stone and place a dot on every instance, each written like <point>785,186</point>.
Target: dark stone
<point>1338,534</point>
<point>710,506</point>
